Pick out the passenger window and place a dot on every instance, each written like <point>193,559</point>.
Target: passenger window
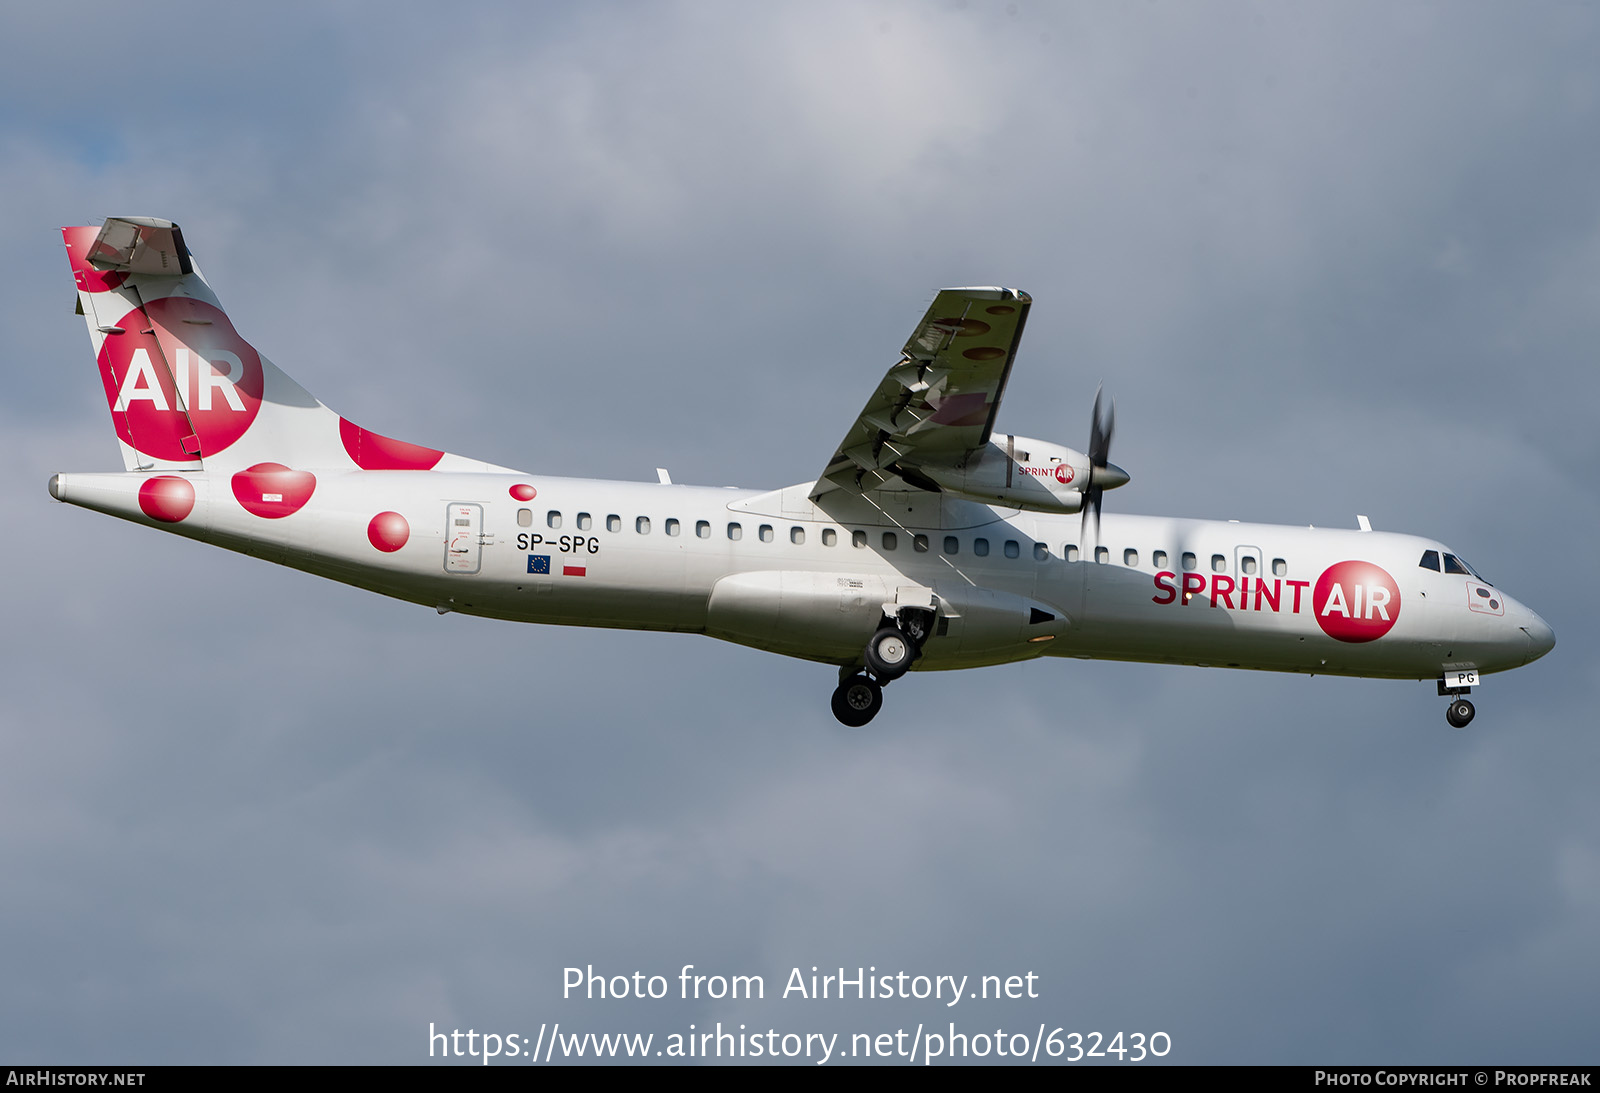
<point>1130,557</point>
<point>524,518</point>
<point>919,543</point>
<point>858,538</point>
<point>613,522</point>
<point>672,527</point>
<point>797,536</point>
<point>735,531</point>
<point>553,518</point>
<point>1247,564</point>
<point>1013,549</point>
<point>765,533</point>
<point>585,521</point>
<point>1069,552</point>
<point>642,525</point>
<point>702,528</point>
<point>980,547</point>
<point>1280,568</point>
<point>1159,559</point>
<point>1189,561</point>
<point>890,541</point>
<point>1102,555</point>
<point>1219,564</point>
<point>829,537</point>
<point>1041,553</point>
<point>1430,560</point>
<point>952,545</point>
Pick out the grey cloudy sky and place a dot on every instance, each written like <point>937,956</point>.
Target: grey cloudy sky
<point>1330,258</point>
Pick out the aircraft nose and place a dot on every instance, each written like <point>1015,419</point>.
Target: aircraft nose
<point>1541,639</point>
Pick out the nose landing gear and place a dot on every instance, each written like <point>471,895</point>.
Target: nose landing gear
<point>1460,712</point>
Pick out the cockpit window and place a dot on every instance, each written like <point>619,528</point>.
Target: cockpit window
<point>1430,560</point>
<point>1452,564</point>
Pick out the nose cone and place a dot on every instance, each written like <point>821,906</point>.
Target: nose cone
<point>1541,639</point>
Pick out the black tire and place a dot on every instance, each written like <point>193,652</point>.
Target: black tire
<point>857,701</point>
<point>1460,713</point>
<point>890,653</point>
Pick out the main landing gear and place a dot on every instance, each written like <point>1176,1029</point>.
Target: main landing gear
<point>857,700</point>
<point>888,656</point>
<point>1460,712</point>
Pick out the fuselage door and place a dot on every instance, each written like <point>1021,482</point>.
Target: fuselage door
<point>463,538</point>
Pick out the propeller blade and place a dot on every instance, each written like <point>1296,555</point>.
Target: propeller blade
<point>1103,474</point>
<point>1100,430</point>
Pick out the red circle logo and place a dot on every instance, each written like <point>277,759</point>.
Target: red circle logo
<point>181,381</point>
<point>388,531</point>
<point>273,491</point>
<point>167,498</point>
<point>374,452</point>
<point>524,492</point>
<point>1355,601</point>
<point>1063,473</point>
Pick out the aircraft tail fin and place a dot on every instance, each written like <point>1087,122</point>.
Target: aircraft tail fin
<point>185,390</point>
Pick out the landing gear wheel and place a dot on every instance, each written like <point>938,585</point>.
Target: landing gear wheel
<point>1460,714</point>
<point>890,653</point>
<point>857,701</point>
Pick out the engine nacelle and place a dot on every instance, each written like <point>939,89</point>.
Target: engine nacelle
<point>1019,472</point>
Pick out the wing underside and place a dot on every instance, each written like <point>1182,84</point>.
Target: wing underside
<point>937,405</point>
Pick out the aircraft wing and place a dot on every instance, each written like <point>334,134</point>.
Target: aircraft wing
<point>937,405</point>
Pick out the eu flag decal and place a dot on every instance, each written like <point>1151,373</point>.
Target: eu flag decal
<point>538,563</point>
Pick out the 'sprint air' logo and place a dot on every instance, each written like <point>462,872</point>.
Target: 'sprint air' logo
<point>180,380</point>
<point>1355,601</point>
<point>1061,472</point>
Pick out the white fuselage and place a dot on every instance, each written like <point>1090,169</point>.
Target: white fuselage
<point>777,571</point>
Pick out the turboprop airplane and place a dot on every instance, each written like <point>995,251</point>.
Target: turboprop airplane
<point>928,541</point>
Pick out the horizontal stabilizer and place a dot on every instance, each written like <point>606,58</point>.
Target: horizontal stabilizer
<point>140,244</point>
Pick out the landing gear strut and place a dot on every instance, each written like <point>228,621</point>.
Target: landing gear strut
<point>888,656</point>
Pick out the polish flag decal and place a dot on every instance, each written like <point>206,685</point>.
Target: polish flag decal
<point>574,571</point>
